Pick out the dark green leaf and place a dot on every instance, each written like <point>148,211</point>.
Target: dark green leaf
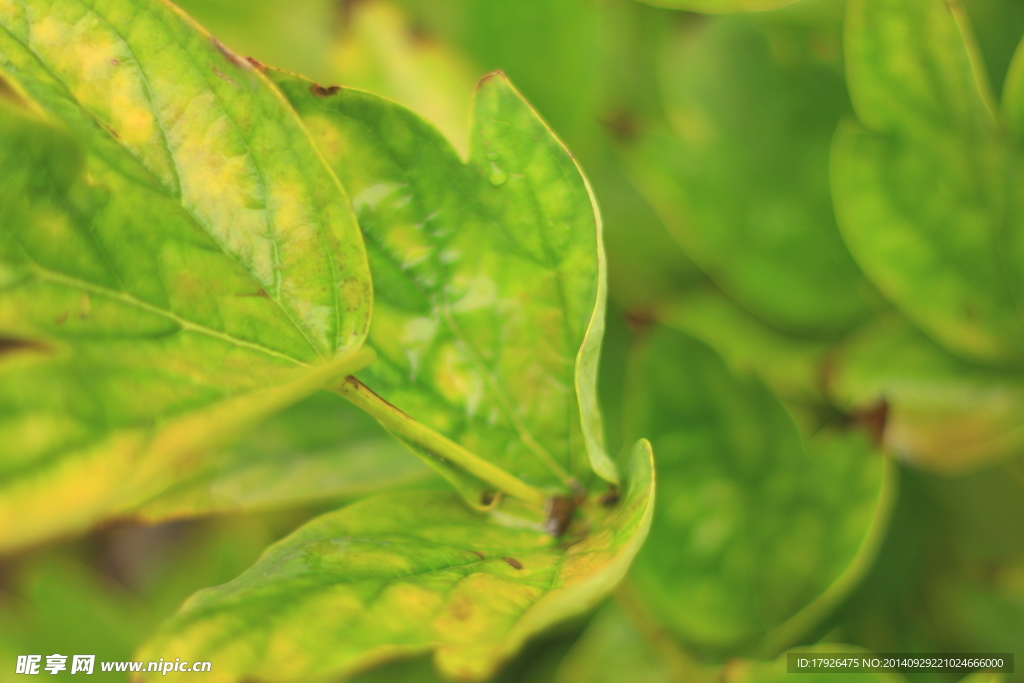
<point>405,573</point>
<point>757,534</point>
<point>743,179</point>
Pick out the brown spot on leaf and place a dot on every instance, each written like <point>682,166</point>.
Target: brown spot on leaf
<point>345,11</point>
<point>513,562</point>
<point>261,293</point>
<point>61,319</point>
<point>114,62</point>
<point>478,554</point>
<point>321,91</point>
<point>622,125</point>
<point>872,420</point>
<point>419,34</point>
<point>610,498</point>
<point>257,64</point>
<point>231,56</point>
<point>639,320</point>
<point>86,307</point>
<point>112,132</point>
<point>560,510</point>
<point>10,346</point>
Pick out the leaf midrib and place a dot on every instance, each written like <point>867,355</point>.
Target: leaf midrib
<point>130,300</point>
<point>439,293</point>
<point>174,193</point>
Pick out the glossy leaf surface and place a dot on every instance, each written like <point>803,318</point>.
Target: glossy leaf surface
<point>757,534</point>
<point>405,573</point>
<point>925,187</point>
<point>742,180</point>
<point>489,275</point>
<point>176,260</point>
<point>944,413</point>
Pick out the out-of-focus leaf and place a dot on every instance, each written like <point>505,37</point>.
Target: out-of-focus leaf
<point>176,260</point>
<point>998,25</point>
<point>925,190</point>
<point>381,52</point>
<point>298,35</point>
<point>974,576</point>
<point>406,573</point>
<point>944,414</point>
<point>721,6</point>
<point>489,275</point>
<point>743,180</point>
<point>753,671</point>
<point>320,448</point>
<point>60,595</point>
<point>757,534</point>
<point>790,365</point>
<point>613,649</point>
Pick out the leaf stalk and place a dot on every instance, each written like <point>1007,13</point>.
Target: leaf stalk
<point>397,422</point>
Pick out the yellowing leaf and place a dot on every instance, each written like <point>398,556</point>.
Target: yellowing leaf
<point>405,573</point>
<point>176,260</point>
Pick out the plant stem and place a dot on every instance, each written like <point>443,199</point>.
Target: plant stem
<point>399,423</point>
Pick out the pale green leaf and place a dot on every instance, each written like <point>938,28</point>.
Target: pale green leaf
<point>406,573</point>
<point>758,534</point>
<point>742,179</point>
<point>924,191</point>
<point>176,260</point>
<point>489,275</point>
<point>318,449</point>
<point>944,414</point>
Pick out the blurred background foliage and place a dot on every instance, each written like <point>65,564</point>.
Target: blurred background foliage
<point>829,472</point>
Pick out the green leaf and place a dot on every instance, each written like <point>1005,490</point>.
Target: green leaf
<point>176,260</point>
<point>318,449</point>
<point>753,671</point>
<point>925,190</point>
<point>720,6</point>
<point>758,534</point>
<point>613,649</point>
<point>489,276</point>
<point>944,414</point>
<point>742,181</point>
<point>791,365</point>
<point>409,572</point>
